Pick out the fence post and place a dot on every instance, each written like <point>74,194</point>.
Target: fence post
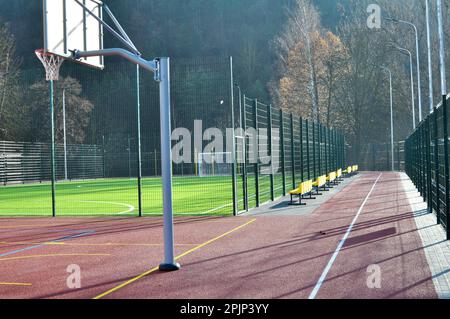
<point>245,177</point>
<point>283,158</point>
<point>428,152</point>
<point>233,143</point>
<point>256,149</point>
<point>424,162</point>
<point>307,149</point>
<point>430,192</point>
<point>328,148</point>
<point>292,152</point>
<point>336,150</point>
<point>447,173</point>
<point>344,154</point>
<point>104,156</point>
<point>314,150</point>
<point>436,167</point>
<point>319,143</point>
<point>302,172</point>
<point>272,190</point>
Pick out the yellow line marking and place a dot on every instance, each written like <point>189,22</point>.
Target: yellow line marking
<point>87,244</point>
<point>178,257</point>
<point>14,284</point>
<point>54,255</point>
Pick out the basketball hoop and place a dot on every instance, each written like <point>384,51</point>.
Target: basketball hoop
<point>52,63</point>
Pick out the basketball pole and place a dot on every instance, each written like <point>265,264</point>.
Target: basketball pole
<point>161,68</point>
<point>139,144</point>
<point>52,160</point>
<point>166,165</point>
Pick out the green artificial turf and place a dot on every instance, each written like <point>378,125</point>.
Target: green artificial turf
<point>191,196</point>
<point>119,197</point>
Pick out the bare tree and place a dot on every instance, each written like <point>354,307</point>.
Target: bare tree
<point>78,111</point>
<point>296,51</point>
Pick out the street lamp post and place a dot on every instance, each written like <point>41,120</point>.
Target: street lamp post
<point>430,62</point>
<point>444,109</point>
<point>406,51</point>
<point>392,112</point>
<point>419,89</point>
<point>442,50</point>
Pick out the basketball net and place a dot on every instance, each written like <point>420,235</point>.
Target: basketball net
<point>52,63</point>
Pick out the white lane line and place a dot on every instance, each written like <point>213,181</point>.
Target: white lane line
<point>341,243</point>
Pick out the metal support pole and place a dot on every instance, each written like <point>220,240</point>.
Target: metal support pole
<point>430,57</point>
<point>104,156</point>
<point>245,177</point>
<point>428,162</point>
<point>392,115</point>
<point>53,148</point>
<point>392,120</point>
<point>444,108</point>
<point>412,91</point>
<point>446,168</point>
<point>307,150</point>
<point>327,149</point>
<point>66,175</point>
<point>256,149</point>
<point>139,143</point>
<point>166,166</point>
<point>319,153</point>
<point>442,51</point>
<point>233,152</point>
<point>302,172</point>
<point>314,150</point>
<point>436,166</point>
<point>283,157</point>
<point>129,156</point>
<point>292,152</point>
<point>272,182</point>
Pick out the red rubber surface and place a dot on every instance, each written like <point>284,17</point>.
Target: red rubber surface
<point>272,257</point>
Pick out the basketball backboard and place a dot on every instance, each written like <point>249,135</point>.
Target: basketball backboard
<point>68,27</point>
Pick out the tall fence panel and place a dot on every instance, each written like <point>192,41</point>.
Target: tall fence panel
<point>427,162</point>
<point>289,150</point>
<point>377,157</point>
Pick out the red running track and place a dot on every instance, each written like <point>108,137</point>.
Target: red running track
<point>244,257</point>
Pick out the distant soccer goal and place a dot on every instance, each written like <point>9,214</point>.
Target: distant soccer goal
<point>214,164</point>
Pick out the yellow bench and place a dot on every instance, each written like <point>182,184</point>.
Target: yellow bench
<point>339,174</point>
<point>355,168</point>
<point>303,189</point>
<point>321,181</point>
<point>348,170</point>
<point>331,178</point>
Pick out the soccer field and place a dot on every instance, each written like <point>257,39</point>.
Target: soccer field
<point>191,196</point>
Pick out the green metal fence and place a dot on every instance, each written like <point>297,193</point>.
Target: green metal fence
<point>297,149</point>
<point>377,157</point>
<point>427,163</point>
<point>97,171</point>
